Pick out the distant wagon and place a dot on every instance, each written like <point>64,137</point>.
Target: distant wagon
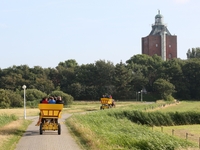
<point>107,103</point>
<point>49,117</point>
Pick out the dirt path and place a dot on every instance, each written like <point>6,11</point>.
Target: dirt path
<point>49,140</point>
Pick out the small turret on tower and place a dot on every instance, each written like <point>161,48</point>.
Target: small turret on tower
<point>159,26</point>
<point>158,19</point>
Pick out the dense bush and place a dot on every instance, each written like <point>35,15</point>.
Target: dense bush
<point>10,98</point>
<point>33,94</point>
<point>15,99</point>
<point>159,118</point>
<point>68,99</point>
<point>33,104</point>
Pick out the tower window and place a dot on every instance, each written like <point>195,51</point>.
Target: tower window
<point>156,45</point>
<point>170,55</point>
<point>170,46</point>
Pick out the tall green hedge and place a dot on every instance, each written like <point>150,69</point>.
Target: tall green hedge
<point>160,118</point>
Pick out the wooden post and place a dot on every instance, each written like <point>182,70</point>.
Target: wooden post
<point>172,131</point>
<point>161,128</point>
<point>186,136</point>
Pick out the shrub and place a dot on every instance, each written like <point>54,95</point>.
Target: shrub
<point>33,94</point>
<point>159,118</point>
<point>68,99</point>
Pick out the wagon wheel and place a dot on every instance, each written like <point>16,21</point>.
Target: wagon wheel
<point>59,129</point>
<point>101,107</point>
<point>41,131</point>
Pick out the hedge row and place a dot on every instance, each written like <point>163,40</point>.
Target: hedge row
<point>159,118</point>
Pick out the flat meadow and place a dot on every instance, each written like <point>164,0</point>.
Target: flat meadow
<point>106,129</point>
<point>110,129</point>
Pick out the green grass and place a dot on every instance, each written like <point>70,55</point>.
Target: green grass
<point>5,119</point>
<point>191,132</point>
<point>183,106</point>
<point>104,130</point>
<point>84,106</point>
<point>98,130</point>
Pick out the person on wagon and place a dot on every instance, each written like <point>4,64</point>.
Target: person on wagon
<point>59,100</point>
<point>51,100</point>
<point>43,101</point>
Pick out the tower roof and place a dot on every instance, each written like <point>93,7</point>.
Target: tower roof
<point>158,15</point>
<point>159,27</point>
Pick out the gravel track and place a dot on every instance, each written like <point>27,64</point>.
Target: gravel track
<point>49,140</point>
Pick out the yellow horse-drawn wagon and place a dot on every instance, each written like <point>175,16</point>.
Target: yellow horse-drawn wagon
<point>49,114</point>
<point>107,103</point>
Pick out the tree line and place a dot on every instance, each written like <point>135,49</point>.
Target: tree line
<point>156,78</point>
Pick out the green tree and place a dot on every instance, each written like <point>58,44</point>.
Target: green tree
<point>85,80</point>
<point>173,73</point>
<point>67,73</point>
<point>4,99</point>
<point>44,85</point>
<point>191,73</point>
<point>75,90</point>
<point>193,53</point>
<point>86,75</point>
<point>165,88</point>
<point>149,66</point>
<point>71,63</point>
<point>122,79</point>
<point>55,77</point>
<point>104,75</point>
<point>12,80</point>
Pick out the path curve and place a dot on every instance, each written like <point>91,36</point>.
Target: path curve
<point>49,140</point>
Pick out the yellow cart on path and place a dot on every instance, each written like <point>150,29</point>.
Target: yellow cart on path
<point>49,117</point>
<point>106,103</point>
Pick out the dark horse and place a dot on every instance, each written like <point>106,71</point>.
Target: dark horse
<point>113,103</point>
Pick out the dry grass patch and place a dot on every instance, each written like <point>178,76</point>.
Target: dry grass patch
<point>8,130</point>
<point>19,112</point>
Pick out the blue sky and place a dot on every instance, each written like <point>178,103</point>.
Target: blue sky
<point>46,32</point>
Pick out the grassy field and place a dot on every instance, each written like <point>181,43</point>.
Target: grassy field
<point>100,124</point>
<point>11,120</point>
<point>189,132</point>
<point>182,132</point>
<point>76,107</point>
<point>19,112</point>
<point>82,106</point>
<point>182,107</point>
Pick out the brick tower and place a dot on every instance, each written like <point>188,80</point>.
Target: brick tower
<point>160,41</point>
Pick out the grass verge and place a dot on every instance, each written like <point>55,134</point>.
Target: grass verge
<point>5,119</point>
<point>12,132</point>
<point>100,131</point>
